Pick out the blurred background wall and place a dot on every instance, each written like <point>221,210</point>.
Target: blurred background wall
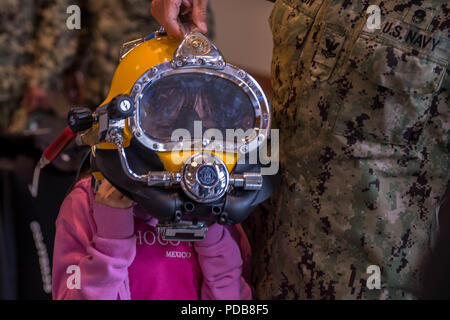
<point>243,34</point>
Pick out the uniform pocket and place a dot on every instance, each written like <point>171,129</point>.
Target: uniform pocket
<point>388,92</point>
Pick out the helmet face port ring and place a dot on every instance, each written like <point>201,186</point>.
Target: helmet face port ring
<point>197,85</point>
<point>144,94</point>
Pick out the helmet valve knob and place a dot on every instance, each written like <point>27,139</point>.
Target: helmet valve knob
<point>80,119</point>
<point>121,107</point>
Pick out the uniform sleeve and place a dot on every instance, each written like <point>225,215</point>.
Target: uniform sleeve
<point>221,264</point>
<point>54,47</point>
<point>98,242</point>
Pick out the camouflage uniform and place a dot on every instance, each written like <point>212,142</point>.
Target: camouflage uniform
<point>29,33</point>
<point>364,138</point>
<point>36,47</point>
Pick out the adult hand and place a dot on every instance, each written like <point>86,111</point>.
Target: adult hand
<point>179,17</point>
<point>111,197</point>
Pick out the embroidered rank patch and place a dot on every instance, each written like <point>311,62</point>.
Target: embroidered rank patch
<point>330,46</point>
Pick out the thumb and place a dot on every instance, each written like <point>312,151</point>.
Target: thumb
<point>199,9</point>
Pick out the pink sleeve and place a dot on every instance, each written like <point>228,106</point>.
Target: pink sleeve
<point>220,259</point>
<point>96,240</point>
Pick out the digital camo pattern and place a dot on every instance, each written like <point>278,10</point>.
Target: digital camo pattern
<point>364,138</point>
<point>37,48</point>
<point>30,30</point>
<point>13,53</point>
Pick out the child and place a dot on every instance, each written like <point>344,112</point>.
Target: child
<point>119,254</point>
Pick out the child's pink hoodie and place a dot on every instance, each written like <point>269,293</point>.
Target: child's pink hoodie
<point>121,256</point>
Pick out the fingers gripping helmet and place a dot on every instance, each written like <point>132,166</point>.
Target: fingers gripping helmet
<point>177,133</point>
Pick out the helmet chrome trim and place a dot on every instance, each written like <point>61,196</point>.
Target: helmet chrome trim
<point>196,54</point>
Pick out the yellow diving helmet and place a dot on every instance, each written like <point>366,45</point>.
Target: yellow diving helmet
<point>179,133</point>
